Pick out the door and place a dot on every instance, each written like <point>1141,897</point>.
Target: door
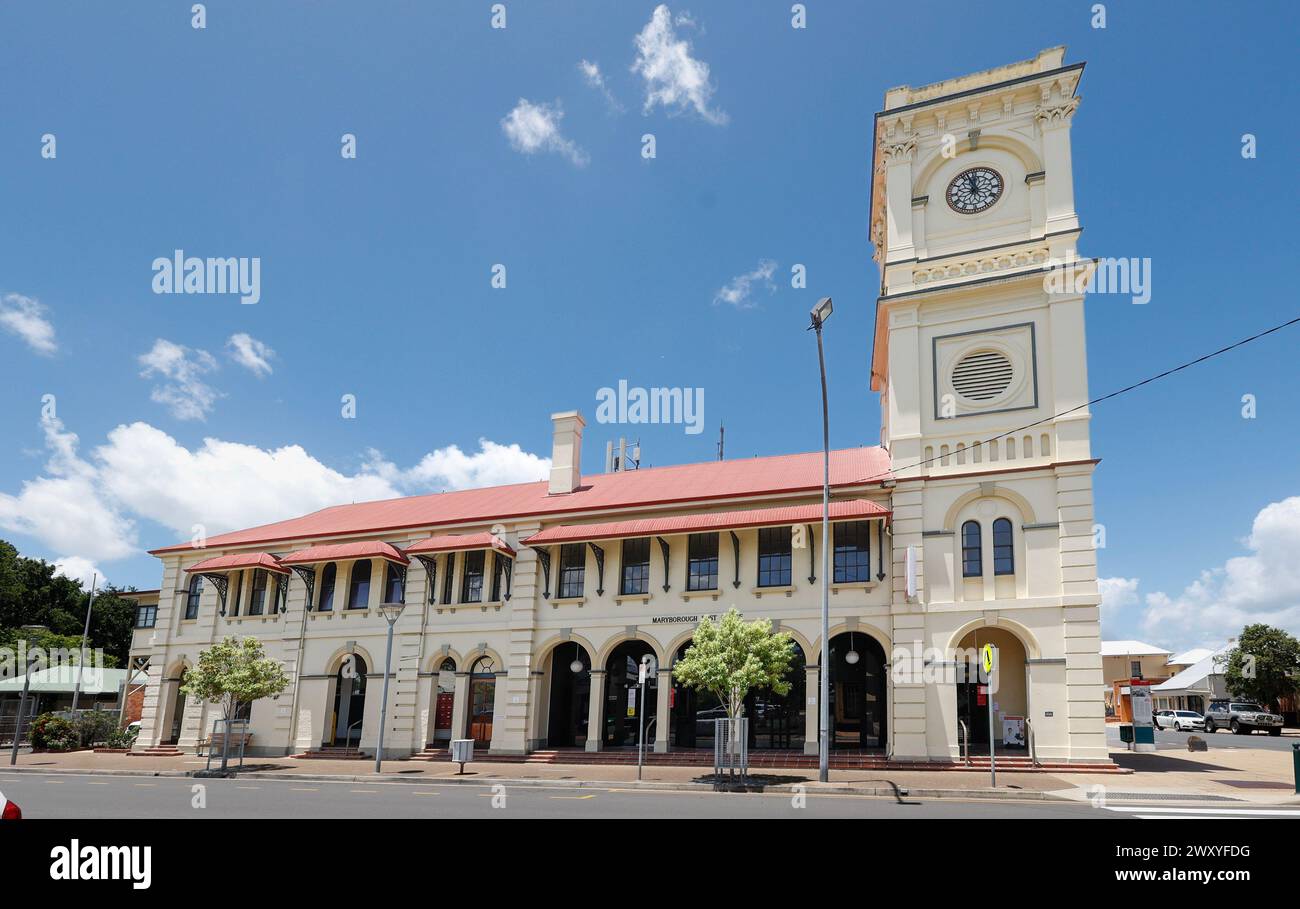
<point>482,696</point>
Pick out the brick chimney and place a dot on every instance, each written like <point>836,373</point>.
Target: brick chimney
<point>566,452</point>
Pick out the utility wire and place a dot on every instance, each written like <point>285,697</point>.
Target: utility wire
<point>1113,394</point>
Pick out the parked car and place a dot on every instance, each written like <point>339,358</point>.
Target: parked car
<point>9,811</point>
<point>1241,718</point>
<point>1179,720</point>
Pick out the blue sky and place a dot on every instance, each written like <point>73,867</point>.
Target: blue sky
<point>375,274</point>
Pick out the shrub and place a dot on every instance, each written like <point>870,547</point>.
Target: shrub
<point>51,732</point>
<point>122,738</point>
<point>95,726</point>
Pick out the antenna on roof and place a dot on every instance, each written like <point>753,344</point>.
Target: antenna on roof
<point>618,460</point>
<point>722,438</point>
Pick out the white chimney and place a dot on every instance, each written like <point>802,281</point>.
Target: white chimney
<point>566,452</point>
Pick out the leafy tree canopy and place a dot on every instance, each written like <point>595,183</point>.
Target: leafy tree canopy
<point>732,657</point>
<point>233,672</point>
<point>1264,666</point>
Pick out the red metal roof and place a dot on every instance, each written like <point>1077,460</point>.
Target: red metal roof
<point>240,560</point>
<point>653,486</point>
<point>458,542</point>
<point>337,552</point>
<point>695,523</point>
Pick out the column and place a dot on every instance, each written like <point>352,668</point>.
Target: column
<point>812,681</point>
<point>596,711</point>
<point>663,723</point>
<point>460,705</point>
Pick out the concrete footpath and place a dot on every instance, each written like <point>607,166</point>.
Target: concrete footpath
<point>1248,777</point>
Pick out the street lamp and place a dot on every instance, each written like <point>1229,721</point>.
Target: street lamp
<point>820,313</point>
<point>390,612</point>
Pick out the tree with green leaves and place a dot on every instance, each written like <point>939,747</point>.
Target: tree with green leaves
<point>733,657</point>
<point>233,672</point>
<point>1264,667</point>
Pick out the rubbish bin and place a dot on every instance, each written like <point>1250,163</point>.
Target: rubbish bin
<point>1126,733</point>
<point>462,752</point>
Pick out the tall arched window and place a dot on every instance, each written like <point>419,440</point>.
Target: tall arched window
<point>393,584</point>
<point>359,587</point>
<point>972,561</point>
<point>327,579</point>
<point>192,596</point>
<point>257,600</point>
<point>1004,559</point>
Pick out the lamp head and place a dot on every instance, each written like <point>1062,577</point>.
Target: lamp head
<point>391,611</point>
<point>822,311</point>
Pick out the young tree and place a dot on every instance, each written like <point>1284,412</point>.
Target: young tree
<point>733,657</point>
<point>231,673</point>
<point>1264,666</point>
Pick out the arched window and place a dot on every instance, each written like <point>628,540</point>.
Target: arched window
<point>972,561</point>
<point>257,600</point>
<point>394,584</point>
<point>1004,559</point>
<point>327,579</point>
<point>193,595</point>
<point>359,587</point>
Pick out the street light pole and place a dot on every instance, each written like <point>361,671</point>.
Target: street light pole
<point>391,612</point>
<point>22,708</point>
<point>81,657</point>
<point>820,313</point>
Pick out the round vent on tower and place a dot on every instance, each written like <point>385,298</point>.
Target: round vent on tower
<point>982,376</point>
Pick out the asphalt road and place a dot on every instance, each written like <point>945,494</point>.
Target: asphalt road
<point>97,796</point>
<point>1168,739</point>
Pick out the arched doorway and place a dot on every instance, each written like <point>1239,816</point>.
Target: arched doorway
<point>482,700</point>
<point>858,692</point>
<point>570,700</point>
<point>178,711</point>
<point>623,697</point>
<point>1007,697</point>
<point>349,701</point>
<point>444,699</point>
<point>693,713</point>
<point>777,721</point>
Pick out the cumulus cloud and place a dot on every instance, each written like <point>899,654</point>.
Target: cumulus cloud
<point>88,509</point>
<point>25,318</point>
<point>738,292</point>
<point>1118,597</point>
<point>449,468</point>
<point>83,571</point>
<point>673,77</point>
<point>185,393</point>
<point>250,353</point>
<point>596,79</point>
<point>1262,586</point>
<point>533,128</point>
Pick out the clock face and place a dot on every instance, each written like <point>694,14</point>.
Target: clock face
<point>974,190</point>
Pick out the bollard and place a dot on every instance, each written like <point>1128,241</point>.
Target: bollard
<point>1295,765</point>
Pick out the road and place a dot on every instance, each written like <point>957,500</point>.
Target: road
<point>1167,739</point>
<point>98,796</point>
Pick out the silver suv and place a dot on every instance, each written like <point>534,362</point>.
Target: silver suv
<point>1241,717</point>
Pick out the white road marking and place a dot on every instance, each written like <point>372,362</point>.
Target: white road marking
<point>1205,812</point>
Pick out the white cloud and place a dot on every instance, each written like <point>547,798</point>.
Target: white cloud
<point>83,571</point>
<point>186,395</point>
<point>1263,586</point>
<point>673,77</point>
<point>450,468</point>
<point>25,318</point>
<point>88,509</point>
<point>596,79</point>
<point>738,291</point>
<point>1118,596</point>
<point>533,128</point>
<point>250,353</point>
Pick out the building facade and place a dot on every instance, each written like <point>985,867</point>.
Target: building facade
<point>529,607</point>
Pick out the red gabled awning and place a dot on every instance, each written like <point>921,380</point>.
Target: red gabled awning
<point>460,543</point>
<point>341,552</point>
<point>857,509</point>
<point>263,560</point>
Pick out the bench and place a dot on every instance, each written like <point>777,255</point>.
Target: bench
<point>215,743</point>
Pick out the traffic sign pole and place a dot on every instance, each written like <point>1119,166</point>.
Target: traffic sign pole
<point>989,661</point>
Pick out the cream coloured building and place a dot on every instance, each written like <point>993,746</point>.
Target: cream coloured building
<point>528,607</point>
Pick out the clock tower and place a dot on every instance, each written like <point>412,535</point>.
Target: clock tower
<point>980,366</point>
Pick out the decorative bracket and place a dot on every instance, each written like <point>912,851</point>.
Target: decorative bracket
<point>663,547</point>
<point>508,566</point>
<point>222,583</point>
<point>600,568</point>
<point>308,575</point>
<point>812,554</point>
<point>544,556</point>
<point>880,545</point>
<point>430,564</point>
<point>735,548</point>
<point>282,592</point>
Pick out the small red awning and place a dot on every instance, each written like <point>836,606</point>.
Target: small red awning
<point>857,509</point>
<point>460,543</point>
<point>263,560</point>
<point>341,552</point>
